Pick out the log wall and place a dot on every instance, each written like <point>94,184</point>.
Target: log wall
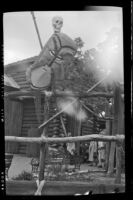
<point>29,122</point>
<point>75,80</point>
<point>13,123</point>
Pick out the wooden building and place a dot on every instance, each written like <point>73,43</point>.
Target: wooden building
<point>26,112</point>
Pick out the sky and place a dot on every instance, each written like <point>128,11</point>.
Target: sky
<point>20,37</point>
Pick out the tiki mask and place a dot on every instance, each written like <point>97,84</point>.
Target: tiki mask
<point>57,23</point>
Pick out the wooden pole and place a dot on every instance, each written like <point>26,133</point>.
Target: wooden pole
<point>31,94</point>
<point>43,139</point>
<point>37,103</point>
<point>45,123</point>
<point>63,125</point>
<point>108,132</point>
<point>96,115</point>
<point>115,146</point>
<point>98,83</point>
<point>77,131</point>
<point>44,146</point>
<point>36,27</point>
<point>120,131</point>
<point>111,159</point>
<point>118,163</point>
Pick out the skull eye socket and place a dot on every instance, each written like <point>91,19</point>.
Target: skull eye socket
<point>57,21</point>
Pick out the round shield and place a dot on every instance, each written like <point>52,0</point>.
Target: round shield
<point>41,77</point>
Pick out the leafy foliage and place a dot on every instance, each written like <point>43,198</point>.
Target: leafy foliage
<point>93,64</point>
<point>107,57</point>
<point>79,42</point>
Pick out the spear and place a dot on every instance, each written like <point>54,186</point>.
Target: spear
<point>36,27</point>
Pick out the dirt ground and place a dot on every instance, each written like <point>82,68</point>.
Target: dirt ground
<point>86,173</point>
<point>21,163</point>
<point>60,188</point>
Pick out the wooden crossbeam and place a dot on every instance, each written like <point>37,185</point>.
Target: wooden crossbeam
<point>57,114</point>
<point>93,137</point>
<point>24,94</point>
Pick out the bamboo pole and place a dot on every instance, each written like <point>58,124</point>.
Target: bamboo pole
<point>42,139</point>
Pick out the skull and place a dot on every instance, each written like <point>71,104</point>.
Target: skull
<point>57,23</point>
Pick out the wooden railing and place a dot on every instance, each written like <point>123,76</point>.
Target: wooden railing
<point>94,137</point>
<point>42,139</point>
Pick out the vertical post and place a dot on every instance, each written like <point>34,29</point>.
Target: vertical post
<point>37,102</point>
<point>44,147</point>
<point>118,163</point>
<point>120,131</point>
<point>108,132</point>
<point>117,129</point>
<point>63,125</point>
<point>43,154</point>
<point>114,132</point>
<point>74,126</point>
<point>94,125</point>
<point>77,133</point>
<point>111,159</point>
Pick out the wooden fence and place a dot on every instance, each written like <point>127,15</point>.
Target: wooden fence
<point>105,138</point>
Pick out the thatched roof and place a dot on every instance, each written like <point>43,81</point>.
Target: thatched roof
<point>20,62</point>
<point>17,71</point>
<point>10,84</point>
